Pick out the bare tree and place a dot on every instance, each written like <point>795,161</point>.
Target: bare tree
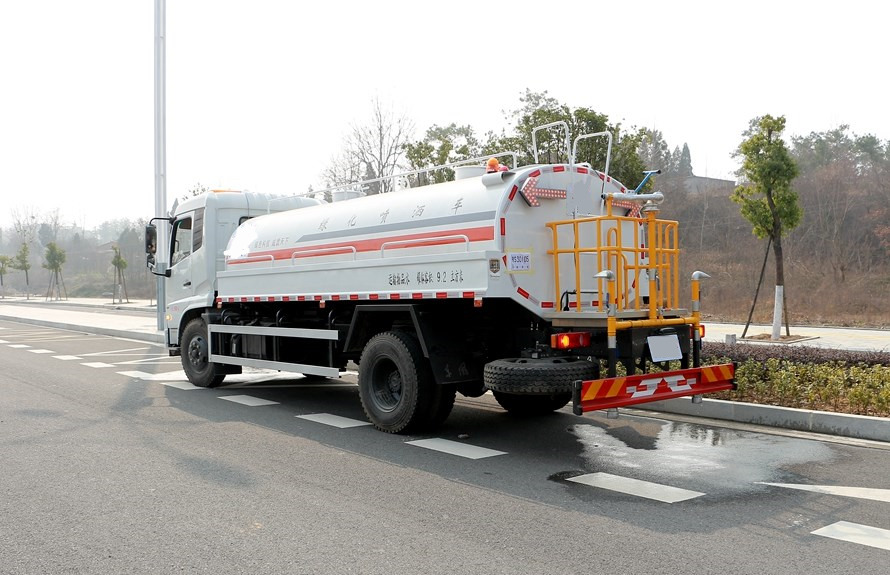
<point>372,150</point>
<point>26,222</point>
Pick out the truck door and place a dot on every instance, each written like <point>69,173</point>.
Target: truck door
<point>182,246</point>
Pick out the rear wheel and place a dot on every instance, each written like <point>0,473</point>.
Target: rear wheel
<point>442,404</point>
<point>195,354</point>
<point>526,404</point>
<point>395,384</point>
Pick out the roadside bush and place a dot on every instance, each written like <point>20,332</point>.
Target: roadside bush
<point>805,377</point>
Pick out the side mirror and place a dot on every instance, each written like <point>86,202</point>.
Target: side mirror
<point>151,241</point>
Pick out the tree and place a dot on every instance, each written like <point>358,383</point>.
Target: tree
<point>371,151</point>
<point>833,188</point>
<point>21,263</point>
<point>765,197</point>
<point>120,281</point>
<point>54,257</point>
<point>48,230</point>
<point>5,264</point>
<point>26,222</point>
<point>684,163</point>
<point>538,109</point>
<point>653,150</point>
<point>441,145</point>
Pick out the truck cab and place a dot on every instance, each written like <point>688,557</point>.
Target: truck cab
<point>199,229</point>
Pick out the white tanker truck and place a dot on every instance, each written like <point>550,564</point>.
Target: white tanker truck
<point>526,282</point>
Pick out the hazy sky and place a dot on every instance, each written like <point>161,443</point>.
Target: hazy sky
<point>260,93</point>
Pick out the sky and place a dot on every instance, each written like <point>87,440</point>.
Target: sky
<point>261,93</point>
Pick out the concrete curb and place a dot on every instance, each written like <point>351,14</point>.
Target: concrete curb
<point>839,424</point>
<point>149,337</point>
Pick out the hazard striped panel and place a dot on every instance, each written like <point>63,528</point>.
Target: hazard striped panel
<point>613,392</point>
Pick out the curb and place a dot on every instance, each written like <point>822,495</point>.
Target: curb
<point>839,424</point>
<point>148,337</point>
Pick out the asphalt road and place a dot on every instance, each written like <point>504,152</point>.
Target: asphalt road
<point>113,463</point>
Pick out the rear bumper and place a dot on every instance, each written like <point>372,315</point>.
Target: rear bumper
<point>615,392</point>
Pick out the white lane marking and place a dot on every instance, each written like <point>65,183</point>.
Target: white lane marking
<point>856,533</point>
<point>168,375</point>
<point>3,341</point>
<point>647,489</point>
<point>66,357</point>
<point>456,448</point>
<point>158,359</point>
<point>180,385</point>
<point>19,346</point>
<point>249,400</point>
<point>136,374</point>
<point>117,352</point>
<point>333,420</point>
<point>40,351</point>
<point>843,491</point>
<point>96,364</point>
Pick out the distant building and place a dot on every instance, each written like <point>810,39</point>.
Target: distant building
<point>709,186</point>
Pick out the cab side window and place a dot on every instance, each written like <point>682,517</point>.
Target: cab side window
<point>183,240</point>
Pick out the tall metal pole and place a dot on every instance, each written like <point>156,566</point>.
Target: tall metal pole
<point>161,150</point>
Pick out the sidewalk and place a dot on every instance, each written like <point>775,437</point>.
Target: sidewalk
<point>138,320</point>
<point>135,320</point>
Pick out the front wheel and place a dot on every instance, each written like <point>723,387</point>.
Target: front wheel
<point>195,354</point>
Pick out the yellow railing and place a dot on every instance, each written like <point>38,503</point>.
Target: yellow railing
<point>633,255</point>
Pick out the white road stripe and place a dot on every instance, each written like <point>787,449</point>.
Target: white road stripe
<point>167,375</point>
<point>249,400</point>
<point>40,351</point>
<point>117,352</point>
<point>456,448</point>
<point>333,420</point>
<point>858,492</point>
<point>180,385</point>
<point>66,357</point>
<point>856,533</point>
<point>3,341</point>
<point>19,346</point>
<point>96,364</point>
<point>647,489</point>
<point>136,374</point>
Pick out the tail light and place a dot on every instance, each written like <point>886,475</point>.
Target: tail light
<point>570,340</point>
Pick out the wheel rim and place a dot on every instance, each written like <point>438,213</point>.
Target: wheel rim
<point>386,385</point>
<point>197,353</point>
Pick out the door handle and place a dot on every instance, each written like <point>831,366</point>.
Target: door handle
<point>187,284</point>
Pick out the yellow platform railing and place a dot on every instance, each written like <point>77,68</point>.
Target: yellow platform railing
<point>634,255</point>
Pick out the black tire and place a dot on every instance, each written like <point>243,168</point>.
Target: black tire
<point>546,376</point>
<point>526,404</point>
<point>395,384</point>
<point>442,404</point>
<point>195,354</point>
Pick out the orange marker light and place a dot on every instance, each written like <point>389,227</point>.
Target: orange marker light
<point>570,340</point>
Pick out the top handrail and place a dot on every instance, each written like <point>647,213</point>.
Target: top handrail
<point>608,136</point>
<point>359,185</point>
<point>551,125</point>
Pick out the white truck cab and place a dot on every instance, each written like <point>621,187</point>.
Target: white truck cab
<point>200,228</point>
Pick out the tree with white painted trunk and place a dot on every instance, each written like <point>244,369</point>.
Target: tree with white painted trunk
<point>765,196</point>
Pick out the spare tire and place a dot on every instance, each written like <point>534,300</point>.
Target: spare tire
<point>544,376</point>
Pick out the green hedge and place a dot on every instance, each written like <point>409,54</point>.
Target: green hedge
<point>807,378</point>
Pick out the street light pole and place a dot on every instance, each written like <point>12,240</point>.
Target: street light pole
<point>161,150</point>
